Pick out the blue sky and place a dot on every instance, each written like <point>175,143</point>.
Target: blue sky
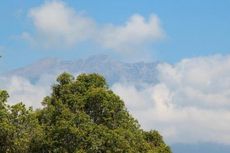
<point>192,28</point>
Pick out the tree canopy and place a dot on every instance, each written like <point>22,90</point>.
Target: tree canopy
<point>82,115</point>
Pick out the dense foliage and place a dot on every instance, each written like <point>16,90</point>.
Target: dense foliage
<point>81,115</point>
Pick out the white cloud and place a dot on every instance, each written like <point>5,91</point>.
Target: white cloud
<point>22,90</point>
<point>203,81</point>
<point>134,33</point>
<point>58,25</point>
<point>191,102</point>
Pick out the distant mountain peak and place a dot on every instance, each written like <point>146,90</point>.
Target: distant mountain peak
<point>113,70</point>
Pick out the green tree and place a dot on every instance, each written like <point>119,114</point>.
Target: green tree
<point>18,126</point>
<point>82,115</point>
<point>6,129</point>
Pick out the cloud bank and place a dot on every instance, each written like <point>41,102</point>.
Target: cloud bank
<point>23,90</point>
<point>190,104</point>
<point>57,25</point>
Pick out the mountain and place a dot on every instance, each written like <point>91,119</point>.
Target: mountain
<point>112,70</point>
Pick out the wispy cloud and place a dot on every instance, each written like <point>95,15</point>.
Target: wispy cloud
<point>57,25</point>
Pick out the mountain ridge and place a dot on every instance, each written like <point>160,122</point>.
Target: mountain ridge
<point>113,70</point>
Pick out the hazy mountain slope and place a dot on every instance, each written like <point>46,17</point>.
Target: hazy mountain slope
<point>114,71</point>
